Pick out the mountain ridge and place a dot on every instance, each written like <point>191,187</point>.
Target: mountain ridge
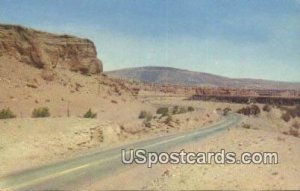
<point>176,76</point>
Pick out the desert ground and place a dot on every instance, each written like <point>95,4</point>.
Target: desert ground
<point>66,133</point>
<point>28,142</point>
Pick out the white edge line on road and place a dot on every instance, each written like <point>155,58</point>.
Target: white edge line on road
<point>41,179</point>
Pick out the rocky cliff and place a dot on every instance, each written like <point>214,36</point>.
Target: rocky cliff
<point>49,51</point>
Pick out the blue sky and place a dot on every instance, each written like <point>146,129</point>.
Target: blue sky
<point>242,39</point>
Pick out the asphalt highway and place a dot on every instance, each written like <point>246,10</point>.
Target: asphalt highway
<point>94,166</point>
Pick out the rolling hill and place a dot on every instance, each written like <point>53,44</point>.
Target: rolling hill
<point>167,75</point>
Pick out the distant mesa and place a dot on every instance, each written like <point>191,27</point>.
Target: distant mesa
<point>49,51</point>
<point>167,75</point>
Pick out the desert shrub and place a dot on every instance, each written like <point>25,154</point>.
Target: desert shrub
<point>267,108</point>
<point>246,126</point>
<point>147,124</point>
<point>48,75</point>
<point>293,113</point>
<point>175,110</point>
<point>90,114</point>
<point>168,120</point>
<point>290,112</point>
<point>285,133</point>
<point>286,117</point>
<point>32,86</point>
<point>182,110</point>
<point>190,109</point>
<point>294,132</point>
<point>6,114</point>
<point>142,114</point>
<point>114,101</point>
<point>84,70</point>
<point>41,112</point>
<point>148,117</point>
<point>255,109</point>
<point>163,111</point>
<point>226,111</point>
<point>147,121</point>
<point>297,109</point>
<point>296,125</point>
<point>250,110</point>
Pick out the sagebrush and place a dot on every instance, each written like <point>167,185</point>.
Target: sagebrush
<point>250,110</point>
<point>41,112</point>
<point>90,114</point>
<point>6,114</point>
<point>163,111</point>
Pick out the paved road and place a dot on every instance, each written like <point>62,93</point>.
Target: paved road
<point>92,167</point>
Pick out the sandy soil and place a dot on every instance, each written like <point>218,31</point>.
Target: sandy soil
<point>284,175</point>
<point>265,135</point>
<point>27,142</point>
<point>46,140</point>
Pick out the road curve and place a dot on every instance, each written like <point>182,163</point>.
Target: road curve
<point>92,167</point>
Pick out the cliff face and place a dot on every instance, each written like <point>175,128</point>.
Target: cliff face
<point>49,51</point>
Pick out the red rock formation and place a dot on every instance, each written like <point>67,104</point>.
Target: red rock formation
<point>49,51</point>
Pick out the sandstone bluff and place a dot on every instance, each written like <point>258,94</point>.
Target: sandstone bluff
<point>49,51</point>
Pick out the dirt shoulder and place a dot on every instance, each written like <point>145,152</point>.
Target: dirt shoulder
<point>237,176</point>
<point>262,136</point>
<point>32,142</point>
<point>262,133</point>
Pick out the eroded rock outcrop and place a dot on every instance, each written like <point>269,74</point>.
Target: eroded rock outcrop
<point>49,51</point>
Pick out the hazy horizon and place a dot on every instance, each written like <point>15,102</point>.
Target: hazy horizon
<point>236,39</point>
